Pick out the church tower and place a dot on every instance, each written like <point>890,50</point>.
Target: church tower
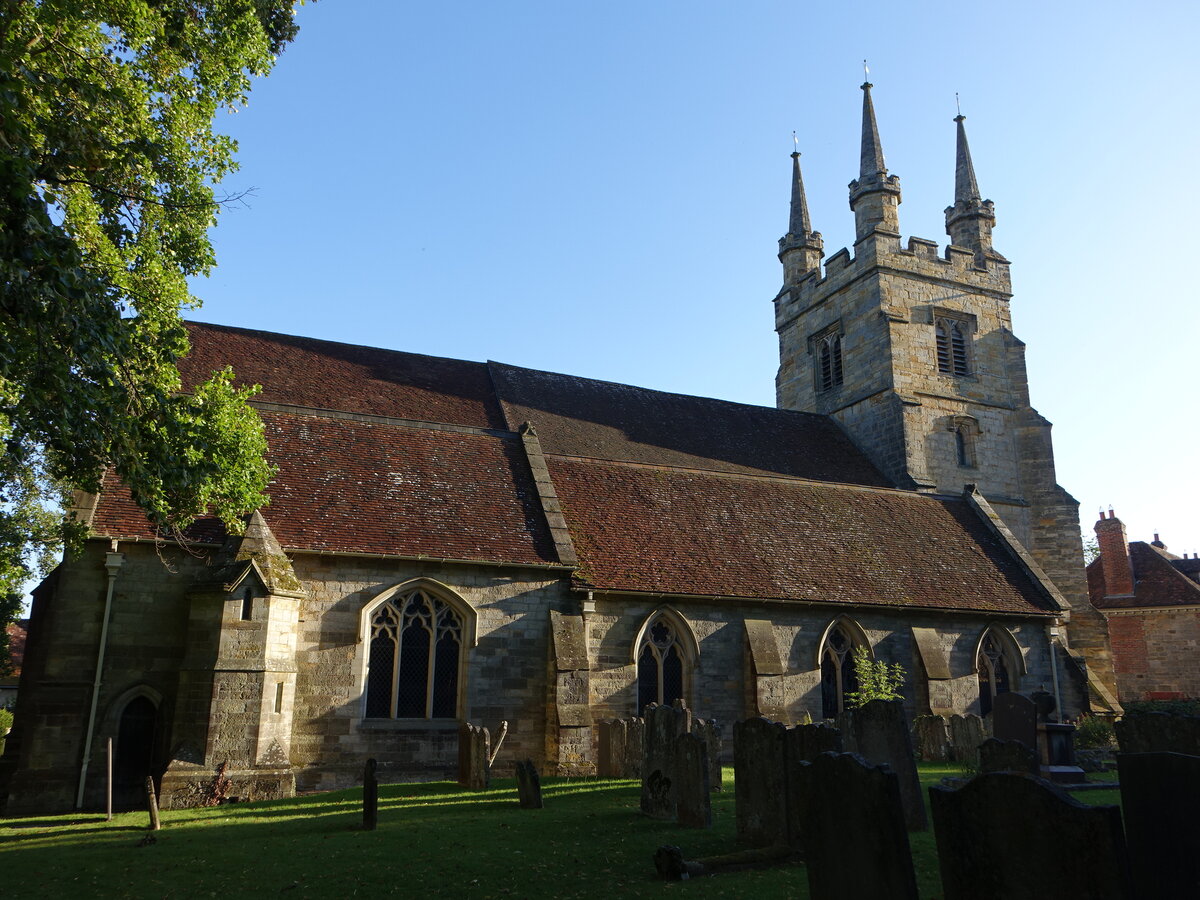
<point>913,353</point>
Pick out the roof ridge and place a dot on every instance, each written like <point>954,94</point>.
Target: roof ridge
<point>760,476</point>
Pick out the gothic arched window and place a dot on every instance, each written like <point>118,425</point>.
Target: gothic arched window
<point>838,677</point>
<point>416,642</point>
<point>827,347</point>
<point>664,662</point>
<point>996,669</point>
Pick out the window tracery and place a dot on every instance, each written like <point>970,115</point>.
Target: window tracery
<point>664,663</point>
<point>415,652</point>
<point>996,670</point>
<point>838,677</point>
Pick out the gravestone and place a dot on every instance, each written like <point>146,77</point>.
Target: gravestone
<point>370,796</point>
<point>881,736</point>
<point>693,807</point>
<point>474,753</point>
<point>635,747</point>
<point>855,837</point>
<point>1158,798</point>
<point>966,734</point>
<point>529,785</point>
<point>1004,835</point>
<point>1159,732</point>
<point>760,781</point>
<point>804,743</point>
<point>1014,718</point>
<point>932,738</point>
<point>710,732</point>
<point>665,725</point>
<point>996,755</point>
<point>615,745</point>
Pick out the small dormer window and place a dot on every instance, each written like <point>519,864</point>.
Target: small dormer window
<point>953,337</point>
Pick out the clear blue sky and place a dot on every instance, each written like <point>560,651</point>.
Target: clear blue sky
<point>598,188</point>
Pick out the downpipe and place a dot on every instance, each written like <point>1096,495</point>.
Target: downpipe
<point>112,562</point>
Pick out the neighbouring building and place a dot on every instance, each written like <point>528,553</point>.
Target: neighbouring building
<point>455,541</point>
<point>1152,601</point>
<point>16,652</point>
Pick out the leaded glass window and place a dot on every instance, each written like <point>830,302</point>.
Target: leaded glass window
<point>660,667</point>
<point>838,677</point>
<point>413,665</point>
<point>993,668</point>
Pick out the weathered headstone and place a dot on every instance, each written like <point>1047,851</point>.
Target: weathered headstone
<point>665,725</point>
<point>803,743</point>
<point>932,738</point>
<point>692,790</point>
<point>610,757</point>
<point>1014,718</point>
<point>370,796</point>
<point>996,755</point>
<point>1159,732</point>
<point>710,732</point>
<point>1158,798</point>
<point>1058,753</point>
<point>1003,835</point>
<point>881,736</point>
<point>529,785</point>
<point>855,837</point>
<point>966,734</point>
<point>760,782</point>
<point>635,747</point>
<point>474,751</point>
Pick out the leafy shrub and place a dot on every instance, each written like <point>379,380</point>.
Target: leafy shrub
<point>6,718</point>
<point>1094,733</point>
<point>1177,707</point>
<point>876,680</point>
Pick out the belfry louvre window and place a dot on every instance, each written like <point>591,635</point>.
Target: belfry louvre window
<point>416,648</point>
<point>953,345</point>
<point>829,360</point>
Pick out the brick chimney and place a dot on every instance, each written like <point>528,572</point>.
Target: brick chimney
<point>1114,555</point>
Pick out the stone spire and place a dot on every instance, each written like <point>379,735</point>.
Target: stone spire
<point>970,220</point>
<point>801,249</point>
<point>875,195</point>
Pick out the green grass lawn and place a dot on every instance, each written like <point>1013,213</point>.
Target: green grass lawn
<point>433,839</point>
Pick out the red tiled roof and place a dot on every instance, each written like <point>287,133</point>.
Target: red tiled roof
<point>603,420</point>
<point>1156,581</point>
<point>327,375</point>
<point>369,487</point>
<point>640,528</point>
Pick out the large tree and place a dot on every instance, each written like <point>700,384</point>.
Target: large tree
<point>108,167</point>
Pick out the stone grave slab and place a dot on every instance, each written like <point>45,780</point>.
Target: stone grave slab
<point>996,755</point>
<point>1014,718</point>
<point>804,743</point>
<point>966,734</point>
<point>692,789</point>
<point>529,785</point>
<point>711,732</point>
<point>474,754</point>
<point>932,738</point>
<point>881,736</point>
<point>760,782</point>
<point>664,726</point>
<point>1158,797</point>
<point>855,836</point>
<point>1003,835</point>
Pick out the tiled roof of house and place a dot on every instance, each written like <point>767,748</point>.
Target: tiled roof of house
<point>714,534</point>
<point>661,492</point>
<point>1156,581</point>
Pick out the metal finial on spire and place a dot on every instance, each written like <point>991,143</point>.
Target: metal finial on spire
<point>866,71</point>
<point>957,104</point>
<point>795,143</point>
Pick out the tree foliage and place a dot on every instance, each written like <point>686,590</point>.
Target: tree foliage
<point>876,680</point>
<point>108,165</point>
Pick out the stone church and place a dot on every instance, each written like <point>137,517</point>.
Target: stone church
<point>453,541</point>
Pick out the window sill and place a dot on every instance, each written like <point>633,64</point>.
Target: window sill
<point>408,724</point>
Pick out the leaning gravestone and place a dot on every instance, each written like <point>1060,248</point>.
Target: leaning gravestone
<point>881,736</point>
<point>1003,835</point>
<point>804,743</point>
<point>996,755</point>
<point>855,838</point>
<point>693,807</point>
<point>474,755</point>
<point>1159,732</point>
<point>932,738</point>
<point>529,785</point>
<point>665,725</point>
<point>710,732</point>
<point>1014,718</point>
<point>966,734</point>
<point>760,782</point>
<point>1158,798</point>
